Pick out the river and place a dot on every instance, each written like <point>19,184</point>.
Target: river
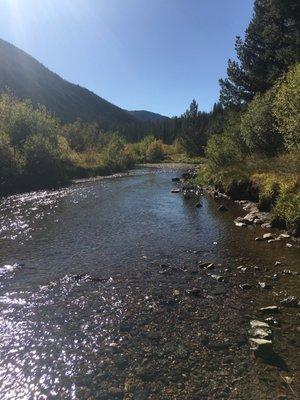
<point>95,301</point>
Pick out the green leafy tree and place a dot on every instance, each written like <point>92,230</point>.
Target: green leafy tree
<point>287,108</point>
<point>258,127</point>
<point>271,45</point>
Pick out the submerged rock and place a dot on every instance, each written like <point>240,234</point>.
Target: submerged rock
<point>245,286</point>
<point>218,278</point>
<point>290,301</point>
<point>264,285</point>
<point>222,208</point>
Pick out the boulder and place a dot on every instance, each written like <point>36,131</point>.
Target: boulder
<point>261,333</point>
<point>258,324</point>
<point>268,236</point>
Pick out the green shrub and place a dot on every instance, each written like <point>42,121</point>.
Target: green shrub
<point>45,161</point>
<point>155,151</point>
<point>287,210</point>
<point>258,128</point>
<point>287,108</point>
<point>222,150</point>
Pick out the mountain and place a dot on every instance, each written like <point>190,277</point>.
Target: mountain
<point>147,116</point>
<point>29,79</point>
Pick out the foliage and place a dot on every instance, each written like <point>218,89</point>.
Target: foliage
<point>271,45</point>
<point>258,128</point>
<point>155,151</point>
<point>221,150</point>
<point>287,108</point>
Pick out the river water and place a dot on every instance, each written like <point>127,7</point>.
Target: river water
<point>94,299</point>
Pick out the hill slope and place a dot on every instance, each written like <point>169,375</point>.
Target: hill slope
<point>29,79</point>
<point>147,116</point>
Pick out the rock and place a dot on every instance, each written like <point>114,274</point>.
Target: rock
<point>218,278</point>
<point>239,224</point>
<point>270,309</point>
<point>199,205</point>
<point>277,263</point>
<point>289,245</point>
<point>284,236</point>
<point>266,225</point>
<point>272,240</point>
<point>289,272</point>
<point>259,239</point>
<point>264,285</point>
<point>261,333</point>
<point>245,286</point>
<point>258,324</point>
<point>175,191</point>
<point>222,208</point>
<point>205,264</point>
<point>290,301</point>
<point>175,179</point>
<point>268,236</point>
<point>261,347</point>
<point>271,321</point>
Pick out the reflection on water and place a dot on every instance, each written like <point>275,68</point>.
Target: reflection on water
<point>84,302</point>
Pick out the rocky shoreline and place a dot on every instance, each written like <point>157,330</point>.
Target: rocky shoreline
<point>253,214</point>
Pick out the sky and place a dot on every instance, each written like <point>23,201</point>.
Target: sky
<point>155,55</point>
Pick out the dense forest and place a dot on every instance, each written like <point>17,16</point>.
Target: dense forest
<point>250,138</point>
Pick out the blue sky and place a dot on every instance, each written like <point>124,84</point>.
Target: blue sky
<point>139,54</point>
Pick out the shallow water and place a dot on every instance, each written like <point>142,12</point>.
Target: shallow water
<point>66,335</point>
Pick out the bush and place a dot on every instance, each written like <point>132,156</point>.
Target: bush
<point>45,161</point>
<point>155,151</point>
<point>222,150</point>
<point>287,108</point>
<point>287,211</point>
<point>258,128</point>
<point>116,156</point>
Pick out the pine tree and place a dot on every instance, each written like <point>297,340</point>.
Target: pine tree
<point>271,45</point>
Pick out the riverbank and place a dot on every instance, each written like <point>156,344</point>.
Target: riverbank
<point>272,183</point>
